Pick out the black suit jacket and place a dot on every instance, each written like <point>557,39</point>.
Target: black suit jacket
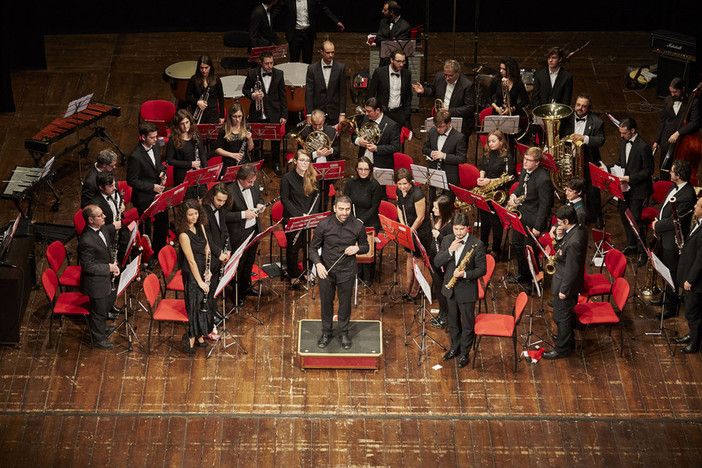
<point>142,175</point>
<point>455,149</point>
<point>671,123</point>
<point>685,200</point>
<point>89,186</point>
<point>462,102</point>
<point>400,31</point>
<point>314,7</point>
<point>330,99</point>
<point>95,258</point>
<point>561,91</point>
<point>275,103</point>
<point>571,253</point>
<point>690,263</point>
<point>379,88</point>
<point>217,234</point>
<point>335,139</point>
<point>388,145</point>
<point>104,205</point>
<point>235,220</point>
<point>261,33</point>
<point>465,289</point>
<point>539,200</point>
<point>639,168</point>
<point>594,129</point>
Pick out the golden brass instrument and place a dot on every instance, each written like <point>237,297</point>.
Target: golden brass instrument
<point>461,267</point>
<point>505,96</point>
<point>490,190</point>
<point>197,115</point>
<point>316,139</point>
<point>370,130</point>
<point>438,104</point>
<point>258,87</point>
<point>550,267</point>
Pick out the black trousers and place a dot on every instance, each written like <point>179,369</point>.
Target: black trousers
<point>437,280</point>
<point>246,264</point>
<point>99,308</point>
<point>158,230</point>
<point>519,243</point>
<point>461,321</point>
<point>670,259</point>
<point>636,207</point>
<point>302,41</point>
<point>344,290</point>
<point>564,317</point>
<point>399,116</point>
<point>593,198</point>
<point>693,314</point>
<point>491,222</point>
<point>292,253</point>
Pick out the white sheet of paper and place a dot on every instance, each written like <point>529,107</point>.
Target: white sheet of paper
<point>426,289</point>
<point>129,272</point>
<point>384,176</point>
<point>662,270</point>
<point>618,171</point>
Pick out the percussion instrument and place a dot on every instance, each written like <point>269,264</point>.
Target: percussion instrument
<point>368,257</point>
<point>233,86</point>
<point>295,83</point>
<point>178,75</point>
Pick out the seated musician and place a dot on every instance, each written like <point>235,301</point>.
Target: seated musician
<point>205,94</point>
<point>185,150</point>
<point>234,140</point>
<point>318,124</point>
<point>381,152</point>
<point>106,161</point>
<point>508,83</point>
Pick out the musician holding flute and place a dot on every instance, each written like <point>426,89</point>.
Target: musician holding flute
<point>463,259</point>
<point>205,94</point>
<point>185,150</point>
<point>340,237</point>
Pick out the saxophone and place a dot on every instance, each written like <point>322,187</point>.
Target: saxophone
<point>461,267</point>
<point>519,200</point>
<point>550,267</point>
<point>490,190</point>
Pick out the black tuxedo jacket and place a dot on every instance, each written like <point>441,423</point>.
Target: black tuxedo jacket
<point>539,200</point>
<point>275,103</point>
<point>571,253</point>
<point>261,32</point>
<point>400,31</point>
<point>217,234</point>
<point>235,219</point>
<point>671,123</point>
<point>462,100</point>
<point>379,88</point>
<point>685,200</point>
<point>104,205</point>
<point>388,145</point>
<point>330,99</point>
<point>544,93</point>
<point>639,169</point>
<point>455,149</point>
<point>142,175</point>
<point>89,187</point>
<point>335,139</point>
<point>95,258</point>
<point>594,129</point>
<point>314,7</point>
<point>465,289</point>
<point>690,262</point>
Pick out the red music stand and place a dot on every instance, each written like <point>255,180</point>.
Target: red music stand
<point>548,163</point>
<point>278,51</point>
<point>267,131</point>
<point>422,251</point>
<point>209,133</point>
<point>509,220</point>
<point>171,198</point>
<point>471,198</point>
<point>305,221</point>
<point>609,184</point>
<point>231,172</point>
<point>330,170</point>
<point>202,176</point>
<point>132,240</point>
<point>398,232</point>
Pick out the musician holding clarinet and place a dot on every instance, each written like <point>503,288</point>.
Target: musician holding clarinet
<point>340,237</point>
<point>234,141</point>
<point>185,150</point>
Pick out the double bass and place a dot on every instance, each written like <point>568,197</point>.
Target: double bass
<point>689,147</point>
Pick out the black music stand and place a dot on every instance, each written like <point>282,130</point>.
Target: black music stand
<point>278,51</point>
<point>421,316</point>
<point>129,274</point>
<point>305,223</point>
<point>268,131</point>
<point>510,221</point>
<point>434,178</point>
<point>402,235</point>
<point>635,294</point>
<point>267,232</point>
<point>531,260</point>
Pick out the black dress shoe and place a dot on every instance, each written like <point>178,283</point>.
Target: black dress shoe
<point>116,310</point>
<point>104,344</point>
<point>553,354</point>
<point>599,222</point>
<point>240,303</point>
<point>669,313</point>
<point>109,330</point>
<point>463,361</point>
<point>450,354</point>
<point>345,341</point>
<point>323,341</point>
<point>152,264</point>
<point>436,322</point>
<point>202,344</point>
<point>630,249</point>
<point>690,348</point>
<point>683,339</point>
<point>550,303</point>
<point>643,259</point>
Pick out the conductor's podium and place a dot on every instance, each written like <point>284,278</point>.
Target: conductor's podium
<point>367,338</point>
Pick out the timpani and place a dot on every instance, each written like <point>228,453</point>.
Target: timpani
<point>295,81</point>
<point>178,75</point>
<point>233,86</point>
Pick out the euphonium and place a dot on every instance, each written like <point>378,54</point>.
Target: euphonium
<point>491,192</point>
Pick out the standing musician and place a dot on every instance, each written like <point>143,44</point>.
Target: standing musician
<point>445,148</point>
<point>146,176</point>
<point>442,209</point>
<point>261,32</point>
<point>393,26</point>
<point>318,123</point>
<point>301,24</point>
<point>106,162</point>
<point>185,150</point>
<point>325,86</point>
<point>392,86</point>
<point>574,197</point>
<point>665,230</point>
<point>463,295</point>
<point>380,153</point>
<point>568,280</point>
<point>234,140</point>
<point>637,160</point>
<point>587,127</point>
<point>97,270</point>
<point>456,91</point>
<point>217,203</point>
<point>300,195</point>
<point>553,83</point>
<point>269,103</point>
<point>690,278</point>
<point>340,237</point>
<point>671,127</point>
<point>508,79</point>
<point>497,161</point>
<point>535,191</point>
<point>111,203</point>
<point>205,93</point>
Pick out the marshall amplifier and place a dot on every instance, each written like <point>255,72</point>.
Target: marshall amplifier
<point>673,44</point>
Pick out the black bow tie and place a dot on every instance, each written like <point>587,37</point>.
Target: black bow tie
<point>629,142</point>
<point>267,74</point>
<point>395,74</point>
<point>326,66</point>
<point>392,21</point>
<point>580,119</point>
<point>461,241</point>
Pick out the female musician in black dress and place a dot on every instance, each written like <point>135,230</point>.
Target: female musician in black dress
<point>300,195</point>
<point>194,249</point>
<point>442,211</point>
<point>518,97</point>
<point>412,211</point>
<point>234,141</point>
<point>496,161</point>
<point>185,150</point>
<point>205,92</point>
<point>365,193</point>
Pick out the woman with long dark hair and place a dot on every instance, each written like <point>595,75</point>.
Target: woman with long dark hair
<point>205,92</point>
<point>234,141</point>
<point>442,210</point>
<point>185,150</point>
<point>511,79</point>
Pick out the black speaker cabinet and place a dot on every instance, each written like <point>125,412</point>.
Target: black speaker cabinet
<point>669,68</point>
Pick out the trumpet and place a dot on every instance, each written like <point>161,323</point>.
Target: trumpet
<point>197,115</point>
<point>258,87</point>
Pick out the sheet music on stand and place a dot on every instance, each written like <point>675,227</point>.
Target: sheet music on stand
<point>425,175</point>
<point>128,275</point>
<point>507,124</point>
<point>132,238</point>
<point>231,266</point>
<point>78,105</point>
<point>426,289</point>
<point>278,51</point>
<point>209,131</point>
<point>662,270</point>
<point>456,122</point>
<point>329,170</point>
<point>267,131</point>
<point>407,46</point>
<point>384,176</point>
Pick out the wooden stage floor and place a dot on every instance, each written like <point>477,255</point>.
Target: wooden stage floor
<point>74,406</point>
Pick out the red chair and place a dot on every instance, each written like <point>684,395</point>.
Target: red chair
<point>402,160</point>
<point>130,215</point>
<point>405,134</point>
<point>500,325</point>
<point>597,284</point>
<point>126,189</point>
<point>490,260</point>
<point>468,175</point>
<point>660,190</point>
<point>214,160</point>
<point>602,313</point>
<point>79,222</point>
<point>159,112</point>
<point>167,258</point>
<point>67,303</point>
<point>169,176</point>
<point>388,210</point>
<point>56,255</point>
<point>168,310</point>
<point>279,234</point>
<point>484,113</point>
<point>391,192</point>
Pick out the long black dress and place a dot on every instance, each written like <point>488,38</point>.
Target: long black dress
<point>365,195</point>
<point>406,204</point>
<point>200,323</point>
<point>182,161</point>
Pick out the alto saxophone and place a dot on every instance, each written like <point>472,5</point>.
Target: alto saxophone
<point>550,267</point>
<point>461,267</point>
<point>519,200</point>
<point>490,190</point>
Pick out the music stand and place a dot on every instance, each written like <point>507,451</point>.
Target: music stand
<point>384,176</point>
<point>432,177</point>
<point>305,222</point>
<point>456,122</point>
<point>209,132</point>
<point>609,184</point>
<point>507,124</point>
<point>268,231</point>
<point>231,172</point>
<point>407,46</point>
<point>470,198</point>
<point>202,176</point>
<point>635,295</point>
<point>128,275</point>
<point>421,314</point>
<point>329,170</point>
<point>268,131</point>
<point>531,260</point>
<point>509,220</point>
<point>278,51</point>
<point>402,235</point>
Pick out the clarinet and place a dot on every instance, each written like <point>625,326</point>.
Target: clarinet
<point>204,306</point>
<point>115,241</point>
<point>433,226</point>
<point>225,250</point>
<point>196,149</point>
<point>297,236</point>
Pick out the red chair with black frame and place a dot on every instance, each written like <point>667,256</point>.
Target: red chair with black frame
<point>56,255</point>
<point>168,310</point>
<point>278,234</point>
<point>65,303</point>
<point>484,113</point>
<point>79,222</point>
<point>402,160</point>
<point>597,284</point>
<point>500,326</point>
<point>660,190</point>
<point>167,259</point>
<point>484,283</point>
<point>591,314</point>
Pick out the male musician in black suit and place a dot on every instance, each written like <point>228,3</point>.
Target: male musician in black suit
<point>587,127</point>
<point>455,90</point>
<point>146,176</point>
<point>261,32</point>
<point>535,183</point>
<point>326,86</point>
<point>392,86</point>
<point>97,270</point>
<point>574,197</point>
<point>301,24</point>
<point>106,162</point>
<point>380,153</point>
<point>690,278</point>
<point>664,227</point>
<point>216,203</point>
<point>318,124</point>
<point>462,297</point>
<point>244,220</point>
<point>111,203</point>
<point>671,127</point>
<point>553,83</point>
<point>272,99</point>
<point>637,160</point>
<point>392,26</point>
<point>445,148</point>
<point>340,237</point>
<point>568,280</point>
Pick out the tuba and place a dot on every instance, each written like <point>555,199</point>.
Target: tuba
<point>567,155</point>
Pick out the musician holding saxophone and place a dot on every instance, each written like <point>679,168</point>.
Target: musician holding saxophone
<point>205,94</point>
<point>463,258</point>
